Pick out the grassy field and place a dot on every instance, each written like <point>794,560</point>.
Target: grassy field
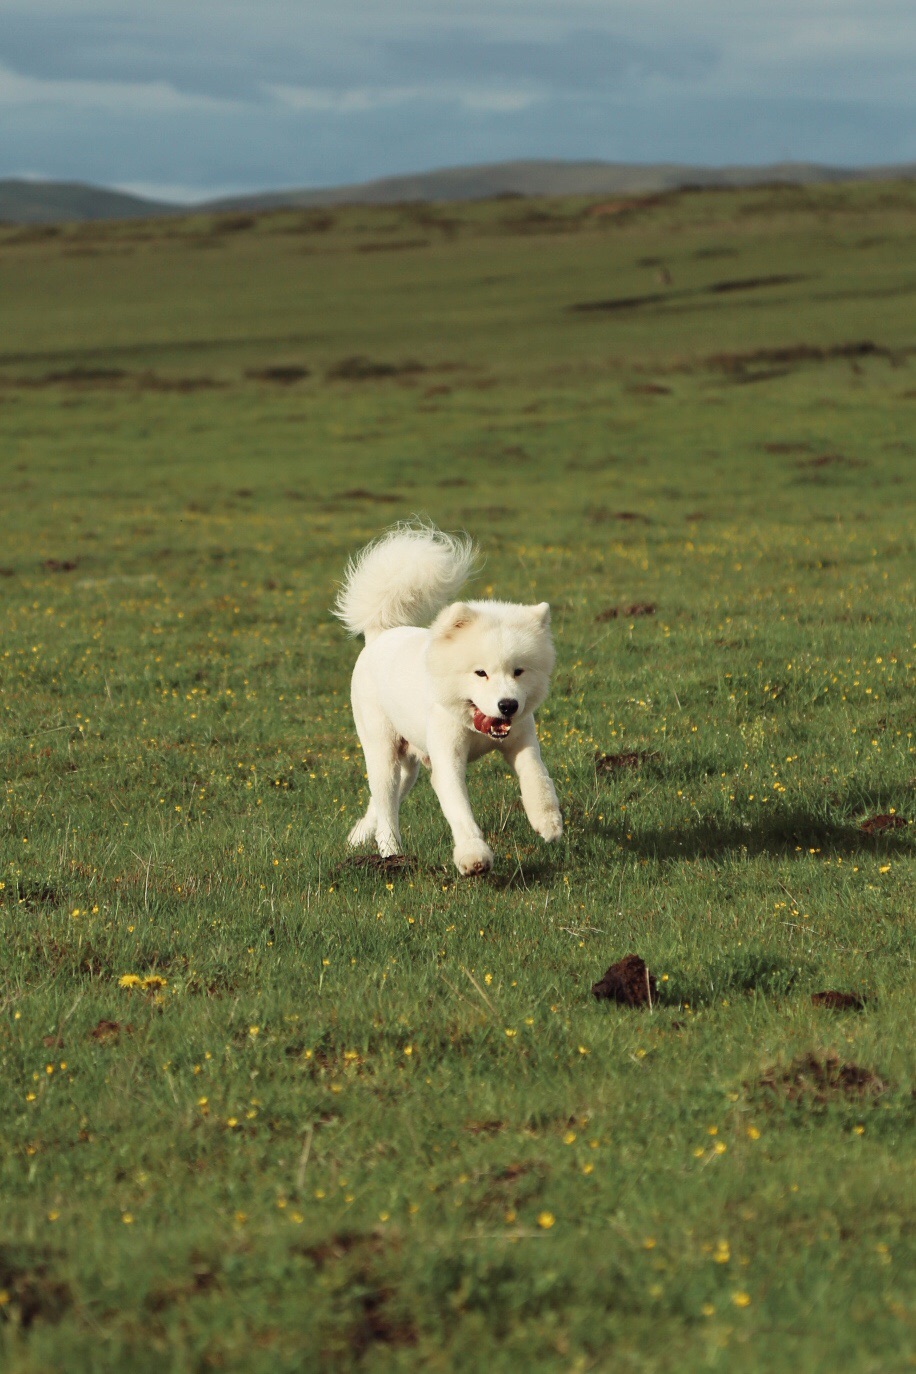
<point>268,1110</point>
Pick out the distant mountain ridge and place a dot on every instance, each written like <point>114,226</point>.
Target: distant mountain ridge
<point>47,202</point>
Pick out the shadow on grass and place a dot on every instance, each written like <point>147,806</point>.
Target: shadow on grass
<point>781,834</point>
<point>750,972</point>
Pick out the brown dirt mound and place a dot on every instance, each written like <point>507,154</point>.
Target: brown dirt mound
<point>484,1127</point>
<point>632,612</point>
<point>838,1001</point>
<point>830,460</point>
<point>795,353</point>
<point>628,982</point>
<point>396,863</point>
<point>285,375</point>
<point>31,1291</point>
<point>345,1243</point>
<point>362,494</point>
<point>359,368</point>
<point>755,283</point>
<point>106,1031</point>
<point>877,825</point>
<point>613,763</point>
<point>820,1081</point>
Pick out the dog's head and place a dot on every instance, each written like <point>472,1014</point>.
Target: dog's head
<point>492,659</point>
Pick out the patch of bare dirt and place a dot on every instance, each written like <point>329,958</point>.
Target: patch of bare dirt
<point>819,1081</point>
<point>93,378</point>
<point>631,758</point>
<point>830,460</point>
<point>392,245</point>
<point>880,825</point>
<point>359,368</point>
<point>107,1031</point>
<point>281,374</point>
<point>378,1325</point>
<point>32,1293</point>
<point>613,303</point>
<point>789,354</point>
<point>838,1001</point>
<point>394,863</point>
<point>632,612</point>
<point>363,494</point>
<point>60,565</point>
<point>339,1246</point>
<point>628,982</point>
<point>487,1127</point>
<point>755,283</point>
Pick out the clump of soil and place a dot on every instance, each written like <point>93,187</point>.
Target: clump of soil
<point>395,863</point>
<point>633,612</point>
<point>362,494</point>
<point>31,1292</point>
<point>838,1001</point>
<point>628,982</point>
<point>613,763</point>
<point>820,1081</point>
<point>359,368</point>
<point>755,283</point>
<point>795,353</point>
<point>285,375</point>
<point>338,1247</point>
<point>830,460</point>
<point>490,1127</point>
<point>877,825</point>
<point>106,1031</point>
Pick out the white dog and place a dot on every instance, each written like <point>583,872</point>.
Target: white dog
<point>445,695</point>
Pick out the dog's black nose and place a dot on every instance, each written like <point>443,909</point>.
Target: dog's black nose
<point>507,707</point>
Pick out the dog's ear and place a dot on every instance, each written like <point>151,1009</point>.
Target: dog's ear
<point>453,619</point>
<point>541,615</point>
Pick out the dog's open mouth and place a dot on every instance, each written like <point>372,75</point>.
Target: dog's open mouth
<point>494,726</point>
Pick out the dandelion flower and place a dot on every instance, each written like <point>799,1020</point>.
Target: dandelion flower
<point>546,1220</point>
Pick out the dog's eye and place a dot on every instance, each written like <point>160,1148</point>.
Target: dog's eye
<point>518,672</point>
<point>480,672</point>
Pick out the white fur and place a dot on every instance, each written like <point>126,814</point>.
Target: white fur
<point>414,690</point>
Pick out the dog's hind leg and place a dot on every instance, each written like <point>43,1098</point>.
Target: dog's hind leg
<point>383,767</point>
<point>366,829</point>
<point>410,769</point>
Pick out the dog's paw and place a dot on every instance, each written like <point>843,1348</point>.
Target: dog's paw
<point>550,826</point>
<point>473,857</point>
<point>362,833</point>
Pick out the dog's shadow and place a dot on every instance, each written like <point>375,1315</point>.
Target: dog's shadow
<point>782,834</point>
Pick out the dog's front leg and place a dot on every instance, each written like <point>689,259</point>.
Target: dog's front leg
<point>448,756</point>
<point>539,797</point>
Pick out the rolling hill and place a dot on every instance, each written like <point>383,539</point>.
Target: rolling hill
<point>46,202</point>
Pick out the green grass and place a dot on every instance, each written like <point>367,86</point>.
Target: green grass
<point>341,1104</point>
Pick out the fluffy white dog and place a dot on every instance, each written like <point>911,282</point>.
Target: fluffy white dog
<point>443,696</point>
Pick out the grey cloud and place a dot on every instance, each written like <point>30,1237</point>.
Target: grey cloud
<point>577,60</point>
<point>230,57</point>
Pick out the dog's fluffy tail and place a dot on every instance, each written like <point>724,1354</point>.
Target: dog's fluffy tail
<point>403,578</point>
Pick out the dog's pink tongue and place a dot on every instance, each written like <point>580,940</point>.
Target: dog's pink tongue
<point>483,723</point>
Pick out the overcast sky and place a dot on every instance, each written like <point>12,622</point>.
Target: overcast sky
<point>187,98</point>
